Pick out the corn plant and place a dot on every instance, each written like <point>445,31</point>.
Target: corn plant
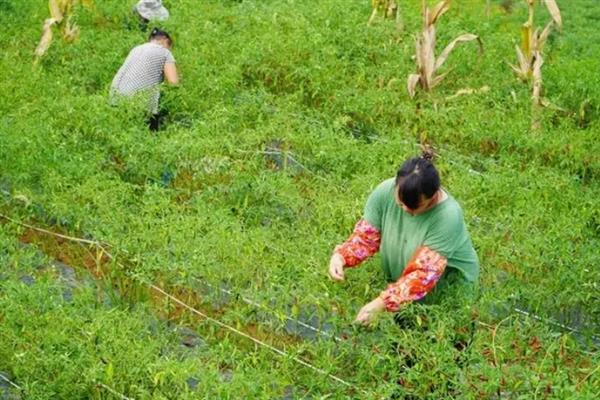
<point>529,55</point>
<point>387,9</point>
<point>427,63</point>
<point>61,14</point>
<point>532,40</point>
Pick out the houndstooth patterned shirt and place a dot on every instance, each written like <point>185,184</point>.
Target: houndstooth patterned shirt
<point>142,71</point>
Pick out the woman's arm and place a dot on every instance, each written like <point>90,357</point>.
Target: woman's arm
<point>420,276</point>
<point>170,72</point>
<point>362,244</point>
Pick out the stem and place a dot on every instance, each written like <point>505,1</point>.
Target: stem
<point>494,338</point>
<point>587,377</point>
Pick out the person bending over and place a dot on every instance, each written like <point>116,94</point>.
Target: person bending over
<point>145,67</point>
<point>420,232</point>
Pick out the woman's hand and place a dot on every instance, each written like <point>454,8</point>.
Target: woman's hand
<point>367,314</point>
<point>336,267</point>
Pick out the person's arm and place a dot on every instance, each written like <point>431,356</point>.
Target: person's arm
<point>170,72</point>
<point>366,238</point>
<point>420,276</point>
<point>362,244</point>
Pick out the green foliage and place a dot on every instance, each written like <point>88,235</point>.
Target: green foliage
<point>204,200</point>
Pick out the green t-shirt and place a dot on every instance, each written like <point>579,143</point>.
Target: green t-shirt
<point>441,228</point>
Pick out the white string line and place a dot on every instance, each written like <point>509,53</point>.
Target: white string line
<point>287,317</point>
<point>338,339</point>
<point>556,323</point>
<point>71,238</point>
<point>113,391</point>
<point>287,154</point>
<point>4,378</point>
<point>546,321</point>
<point>257,341</point>
<point>152,286</point>
<point>123,397</point>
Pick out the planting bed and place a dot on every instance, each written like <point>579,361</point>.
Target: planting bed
<point>289,113</point>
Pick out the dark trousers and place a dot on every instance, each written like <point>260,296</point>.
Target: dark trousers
<point>155,121</point>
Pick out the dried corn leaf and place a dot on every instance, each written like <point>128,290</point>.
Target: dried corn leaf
<point>387,9</point>
<point>524,65</point>
<point>516,69</point>
<point>432,15</point>
<point>411,84</point>
<point>46,39</point>
<point>435,81</point>
<point>554,11</point>
<point>428,56</point>
<point>541,38</point>
<point>56,10</point>
<point>392,9</point>
<point>467,91</point>
<point>70,31</point>
<point>372,17</point>
<point>537,77</point>
<point>467,37</point>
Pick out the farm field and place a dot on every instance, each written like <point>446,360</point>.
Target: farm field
<point>288,114</point>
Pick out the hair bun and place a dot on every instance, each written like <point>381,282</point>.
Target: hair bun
<point>427,153</point>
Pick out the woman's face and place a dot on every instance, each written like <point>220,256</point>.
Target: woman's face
<point>424,204</point>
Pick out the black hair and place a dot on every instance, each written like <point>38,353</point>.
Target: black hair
<point>417,178</point>
<point>160,34</point>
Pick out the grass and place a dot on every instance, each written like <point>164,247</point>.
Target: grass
<point>202,202</point>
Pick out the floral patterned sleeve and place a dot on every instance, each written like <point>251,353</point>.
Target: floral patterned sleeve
<point>362,244</point>
<point>419,278</point>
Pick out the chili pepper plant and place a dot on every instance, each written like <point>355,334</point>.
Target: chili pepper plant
<point>287,116</point>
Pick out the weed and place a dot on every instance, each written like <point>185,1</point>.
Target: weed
<point>288,115</point>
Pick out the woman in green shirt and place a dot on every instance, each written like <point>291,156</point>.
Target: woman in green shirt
<point>420,232</point>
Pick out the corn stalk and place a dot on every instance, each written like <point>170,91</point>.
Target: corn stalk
<point>387,9</point>
<point>61,14</point>
<point>427,63</point>
<point>529,55</point>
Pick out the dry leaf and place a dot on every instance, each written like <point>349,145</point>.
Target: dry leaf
<point>46,39</point>
<point>439,10</point>
<point>467,37</point>
<point>411,84</point>
<point>537,77</point>
<point>56,11</point>
<point>554,11</point>
<point>387,8</point>
<point>541,39</point>
<point>467,91</point>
